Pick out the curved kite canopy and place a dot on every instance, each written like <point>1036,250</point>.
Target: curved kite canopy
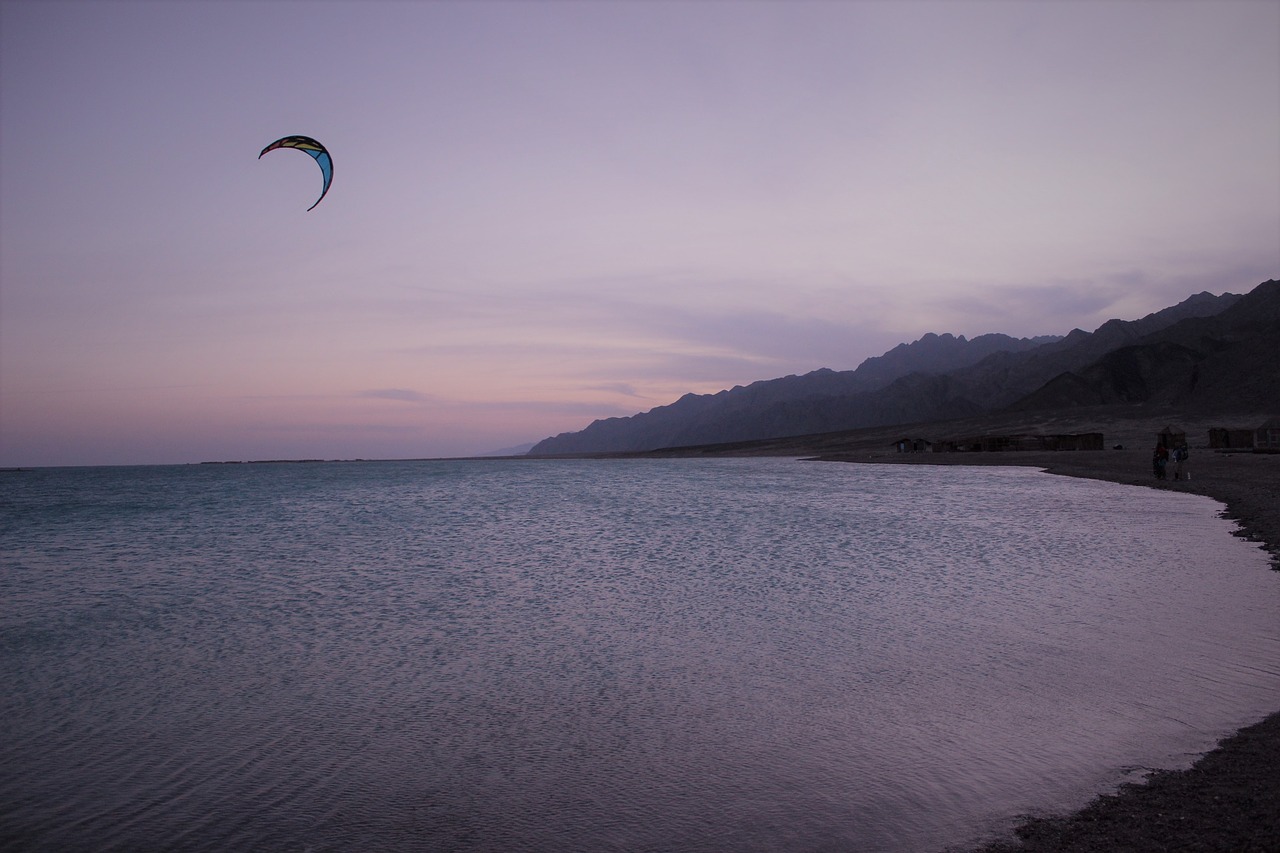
<point>315,149</point>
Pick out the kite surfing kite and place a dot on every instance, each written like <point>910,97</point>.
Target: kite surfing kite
<point>315,149</point>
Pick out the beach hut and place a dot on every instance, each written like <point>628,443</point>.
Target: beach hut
<point>1076,441</point>
<point>1021,441</point>
<point>966,444</point>
<point>1268,435</point>
<point>913,445</point>
<point>1229,438</point>
<point>1171,437</point>
<point>995,443</point>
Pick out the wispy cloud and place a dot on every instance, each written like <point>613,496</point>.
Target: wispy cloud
<point>621,388</point>
<point>403,395</point>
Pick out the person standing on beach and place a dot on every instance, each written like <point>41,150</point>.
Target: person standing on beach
<point>1180,454</point>
<point>1159,460</point>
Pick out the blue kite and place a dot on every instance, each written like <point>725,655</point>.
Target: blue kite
<point>315,149</point>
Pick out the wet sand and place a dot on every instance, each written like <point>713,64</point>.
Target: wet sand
<point>1229,800</point>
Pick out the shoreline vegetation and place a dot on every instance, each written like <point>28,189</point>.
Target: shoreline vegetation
<point>1229,799</point>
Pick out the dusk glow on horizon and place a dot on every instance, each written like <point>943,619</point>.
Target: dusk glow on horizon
<point>543,213</point>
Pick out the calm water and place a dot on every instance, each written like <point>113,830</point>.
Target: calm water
<point>732,655</point>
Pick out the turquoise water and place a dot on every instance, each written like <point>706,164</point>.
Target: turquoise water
<point>627,655</point>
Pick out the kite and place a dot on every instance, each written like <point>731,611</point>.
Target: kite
<point>315,149</point>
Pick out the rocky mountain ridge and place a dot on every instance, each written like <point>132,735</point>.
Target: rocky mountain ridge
<point>1206,350</point>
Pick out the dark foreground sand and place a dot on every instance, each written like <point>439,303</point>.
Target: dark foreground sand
<point>1230,799</point>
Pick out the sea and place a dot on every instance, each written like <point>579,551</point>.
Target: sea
<point>643,655</point>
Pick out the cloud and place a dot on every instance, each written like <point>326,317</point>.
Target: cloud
<point>797,322</point>
<point>773,337</point>
<point>401,394</point>
<point>622,388</point>
<point>1059,304</point>
<point>567,408</point>
<point>1053,307</point>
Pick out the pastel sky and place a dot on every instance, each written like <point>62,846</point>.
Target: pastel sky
<point>549,212</point>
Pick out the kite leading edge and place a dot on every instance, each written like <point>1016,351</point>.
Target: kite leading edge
<point>315,149</point>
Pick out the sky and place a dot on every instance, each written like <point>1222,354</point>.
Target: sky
<point>544,213</point>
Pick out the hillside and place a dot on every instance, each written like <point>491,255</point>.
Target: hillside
<point>1222,362</point>
<point>1197,351</point>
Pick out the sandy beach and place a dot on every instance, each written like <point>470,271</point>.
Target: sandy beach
<point>1229,800</point>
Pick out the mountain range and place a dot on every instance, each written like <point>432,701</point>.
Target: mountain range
<point>1207,353</point>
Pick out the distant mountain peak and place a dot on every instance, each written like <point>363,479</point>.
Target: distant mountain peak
<point>941,376</point>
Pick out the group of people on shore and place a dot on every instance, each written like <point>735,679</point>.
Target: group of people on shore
<point>1160,462</point>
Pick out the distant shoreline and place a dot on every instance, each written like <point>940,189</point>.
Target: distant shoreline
<point>1247,484</point>
<point>1230,798</point>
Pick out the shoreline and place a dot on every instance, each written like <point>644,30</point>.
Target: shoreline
<point>1229,799</point>
<point>1247,484</point>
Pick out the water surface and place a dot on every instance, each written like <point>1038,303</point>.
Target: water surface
<point>628,655</point>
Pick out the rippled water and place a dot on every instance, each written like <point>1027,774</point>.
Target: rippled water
<point>730,655</point>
